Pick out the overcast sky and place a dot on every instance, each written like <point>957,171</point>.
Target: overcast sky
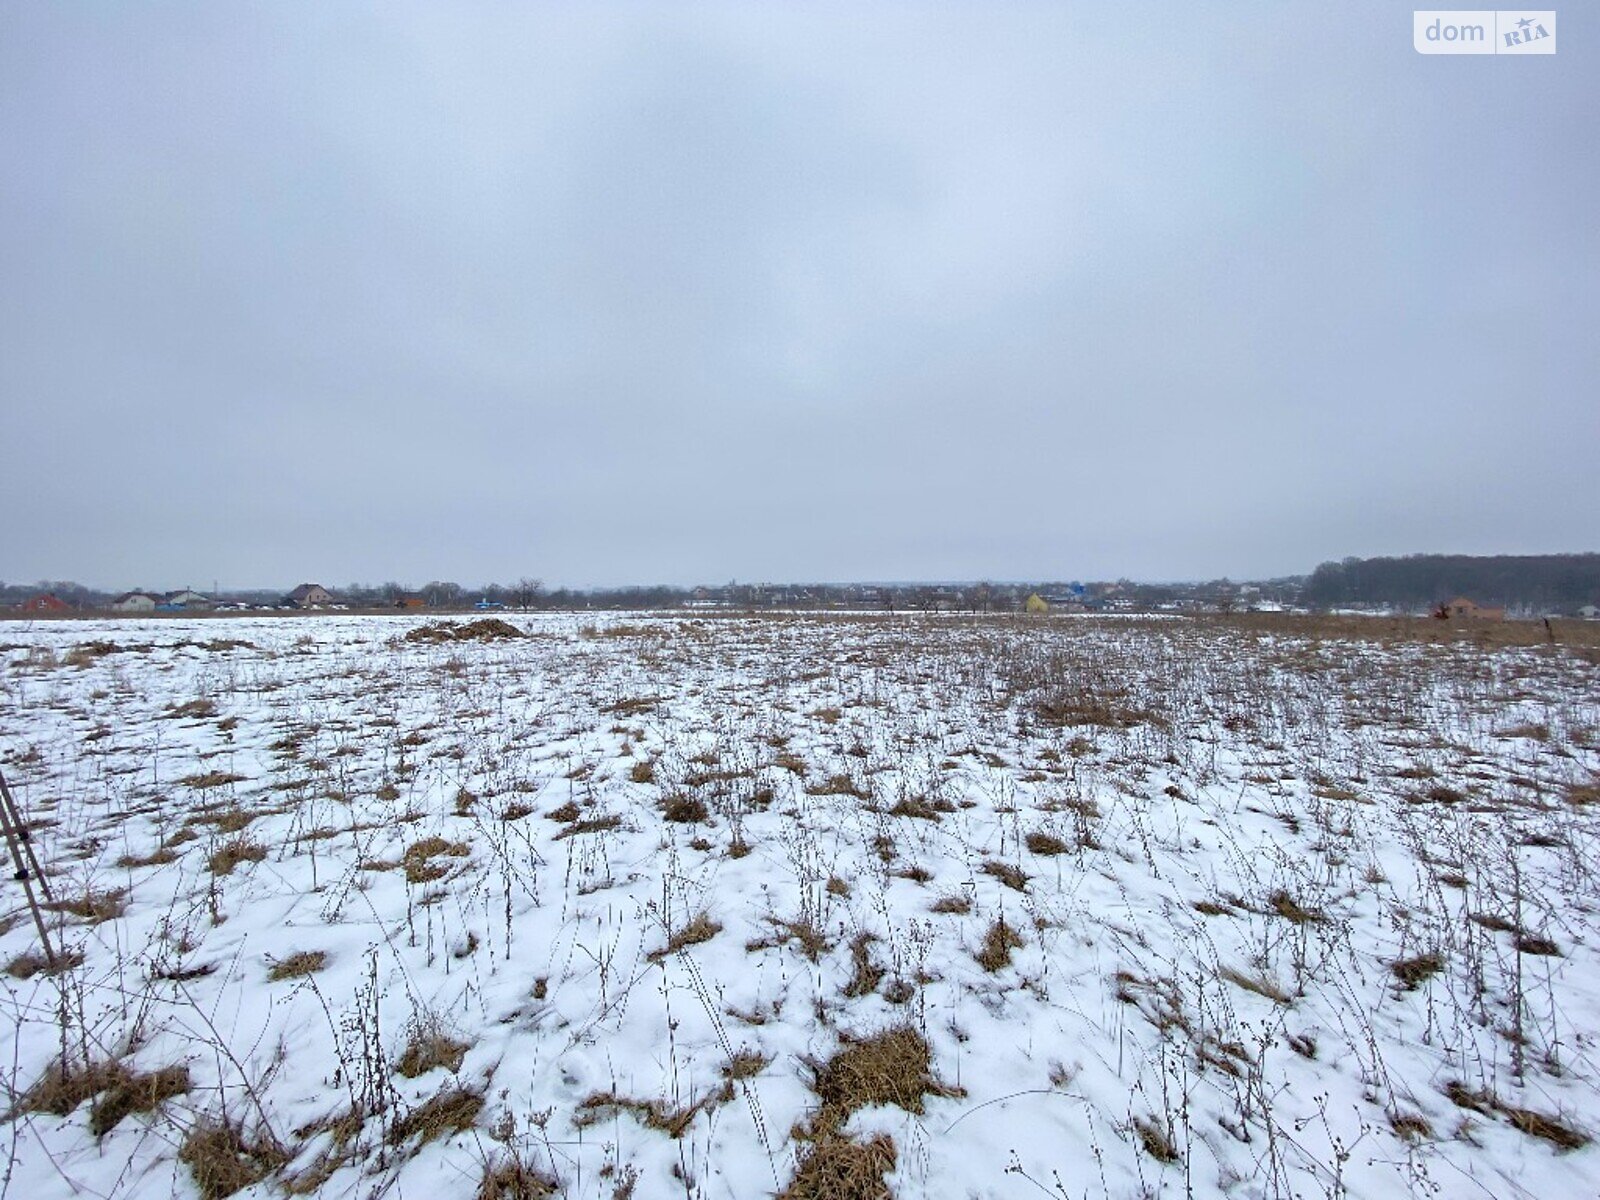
<point>607,294</point>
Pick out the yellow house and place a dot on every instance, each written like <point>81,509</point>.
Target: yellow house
<point>1036,605</point>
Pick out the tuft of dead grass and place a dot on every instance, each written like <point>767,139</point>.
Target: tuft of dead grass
<point>1259,983</point>
<point>513,1179</point>
<point>135,1092</point>
<point>834,1167</point>
<point>418,860</point>
<point>453,1110</point>
<point>211,779</point>
<point>198,709</point>
<point>223,1160</point>
<point>298,965</point>
<point>998,943</point>
<point>1529,1121</point>
<point>428,1048</point>
<point>1532,943</point>
<point>671,1119</point>
<point>589,825</point>
<point>892,1066</point>
<point>1413,1127</point>
<point>1047,844</point>
<point>159,857</point>
<point>684,810</point>
<point>1287,907</point>
<point>93,906</point>
<point>867,974</point>
<point>1540,1125</point>
<point>231,853</point>
<point>699,929</point>
<point>1013,876</point>
<point>33,962</point>
<point>1155,1140</point>
<point>1413,972</point>
<point>64,1086</point>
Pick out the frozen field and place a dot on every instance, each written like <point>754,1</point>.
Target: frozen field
<point>650,907</point>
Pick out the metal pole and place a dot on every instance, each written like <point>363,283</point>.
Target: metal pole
<point>20,843</point>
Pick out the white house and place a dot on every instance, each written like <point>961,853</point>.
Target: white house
<point>134,602</point>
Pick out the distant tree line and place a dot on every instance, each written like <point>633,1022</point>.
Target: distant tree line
<point>528,593</point>
<point>1540,582</point>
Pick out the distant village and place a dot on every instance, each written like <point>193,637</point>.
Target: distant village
<point>1110,597</point>
<point>1121,596</point>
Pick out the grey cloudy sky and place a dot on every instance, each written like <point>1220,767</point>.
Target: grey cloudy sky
<point>641,293</point>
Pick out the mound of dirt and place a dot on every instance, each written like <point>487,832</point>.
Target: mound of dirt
<point>489,629</point>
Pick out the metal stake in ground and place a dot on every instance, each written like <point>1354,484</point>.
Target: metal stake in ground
<point>20,843</point>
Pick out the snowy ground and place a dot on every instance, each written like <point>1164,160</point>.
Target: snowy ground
<point>661,907</point>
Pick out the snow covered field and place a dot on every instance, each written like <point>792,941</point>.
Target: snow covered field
<point>732,907</point>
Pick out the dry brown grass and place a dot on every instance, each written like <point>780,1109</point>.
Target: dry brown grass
<point>1287,907</point>
<point>298,966</point>
<point>453,1110</point>
<point>135,1092</point>
<point>701,928</point>
<point>589,825</point>
<point>867,974</point>
<point>211,779</point>
<point>893,1066</point>
<point>1157,1144</point>
<point>838,784</point>
<point>1094,704</point>
<point>745,1064</point>
<point>921,808</point>
<point>995,953</point>
<point>65,1086</point>
<point>1412,972</point>
<point>956,905</point>
<point>33,962</point>
<point>671,1119</point>
<point>1532,943</point>
<point>1260,984</point>
<point>428,1049</point>
<point>834,1167</point>
<point>1536,1124</point>
<point>514,1179</point>
<point>231,853</point>
<point>812,939</point>
<point>631,706</point>
<point>1043,843</point>
<point>488,629</point>
<point>343,1130</point>
<point>223,1160</point>
<point>1413,1127</point>
<point>159,857</point>
<point>197,709</point>
<point>418,860</point>
<point>1582,794</point>
<point>93,906</point>
<point>684,810</point>
<point>1013,876</point>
